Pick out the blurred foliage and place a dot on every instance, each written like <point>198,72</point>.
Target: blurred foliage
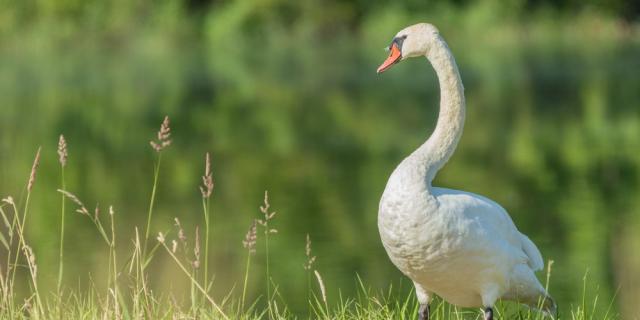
<point>285,96</point>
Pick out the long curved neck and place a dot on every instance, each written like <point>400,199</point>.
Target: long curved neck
<point>435,152</point>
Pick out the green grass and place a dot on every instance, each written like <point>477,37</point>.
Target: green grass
<point>128,293</point>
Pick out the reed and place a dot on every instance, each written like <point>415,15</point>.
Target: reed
<point>309,267</point>
<point>62,159</point>
<point>206,189</point>
<point>264,222</point>
<point>113,264</point>
<point>248,243</point>
<point>163,140</point>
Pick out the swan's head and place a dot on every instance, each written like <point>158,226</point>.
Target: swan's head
<point>412,41</point>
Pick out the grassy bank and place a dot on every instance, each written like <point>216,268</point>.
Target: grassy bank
<point>127,291</point>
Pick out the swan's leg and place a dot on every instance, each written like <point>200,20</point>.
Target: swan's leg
<point>423,312</point>
<point>488,313</point>
<point>424,297</point>
<point>490,295</point>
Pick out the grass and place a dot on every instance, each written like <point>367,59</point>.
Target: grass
<point>128,295</point>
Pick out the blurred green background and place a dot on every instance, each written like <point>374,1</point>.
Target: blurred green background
<point>284,95</point>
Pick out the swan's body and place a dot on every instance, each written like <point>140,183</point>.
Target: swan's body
<point>458,245</point>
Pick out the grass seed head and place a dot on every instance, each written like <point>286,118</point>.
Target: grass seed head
<point>163,136</point>
<point>196,250</point>
<point>207,179</point>
<point>34,169</point>
<point>8,200</point>
<point>267,215</point>
<point>310,259</point>
<point>31,257</point>
<point>323,291</point>
<point>81,208</point>
<point>181,234</point>
<point>62,151</point>
<point>250,238</point>
<point>174,246</point>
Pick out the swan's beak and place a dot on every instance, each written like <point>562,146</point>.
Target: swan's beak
<point>394,57</point>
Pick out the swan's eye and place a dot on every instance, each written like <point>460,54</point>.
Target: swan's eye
<point>398,41</point>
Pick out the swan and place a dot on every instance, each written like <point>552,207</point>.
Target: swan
<point>458,245</point>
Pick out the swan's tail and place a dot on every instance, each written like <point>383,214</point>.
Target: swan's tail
<point>532,252</point>
<point>541,302</point>
<point>527,289</point>
<point>548,306</point>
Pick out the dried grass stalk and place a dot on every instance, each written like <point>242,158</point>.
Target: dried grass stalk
<point>323,291</point>
<point>81,208</point>
<point>207,179</point>
<point>310,259</point>
<point>267,215</point>
<point>196,250</point>
<point>34,169</point>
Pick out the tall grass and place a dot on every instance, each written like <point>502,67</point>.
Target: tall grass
<point>249,243</point>
<point>62,158</point>
<point>128,294</point>
<point>163,141</point>
<point>206,189</point>
<point>268,230</point>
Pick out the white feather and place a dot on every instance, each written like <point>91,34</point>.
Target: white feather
<point>458,245</point>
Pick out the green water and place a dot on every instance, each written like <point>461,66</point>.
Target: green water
<point>286,98</point>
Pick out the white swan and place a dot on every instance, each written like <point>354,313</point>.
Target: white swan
<point>461,246</point>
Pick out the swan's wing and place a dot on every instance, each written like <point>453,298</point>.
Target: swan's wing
<point>535,258</point>
<point>494,218</point>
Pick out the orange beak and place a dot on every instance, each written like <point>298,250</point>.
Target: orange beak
<point>394,57</point>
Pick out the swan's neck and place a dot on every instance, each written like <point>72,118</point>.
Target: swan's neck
<point>435,152</point>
